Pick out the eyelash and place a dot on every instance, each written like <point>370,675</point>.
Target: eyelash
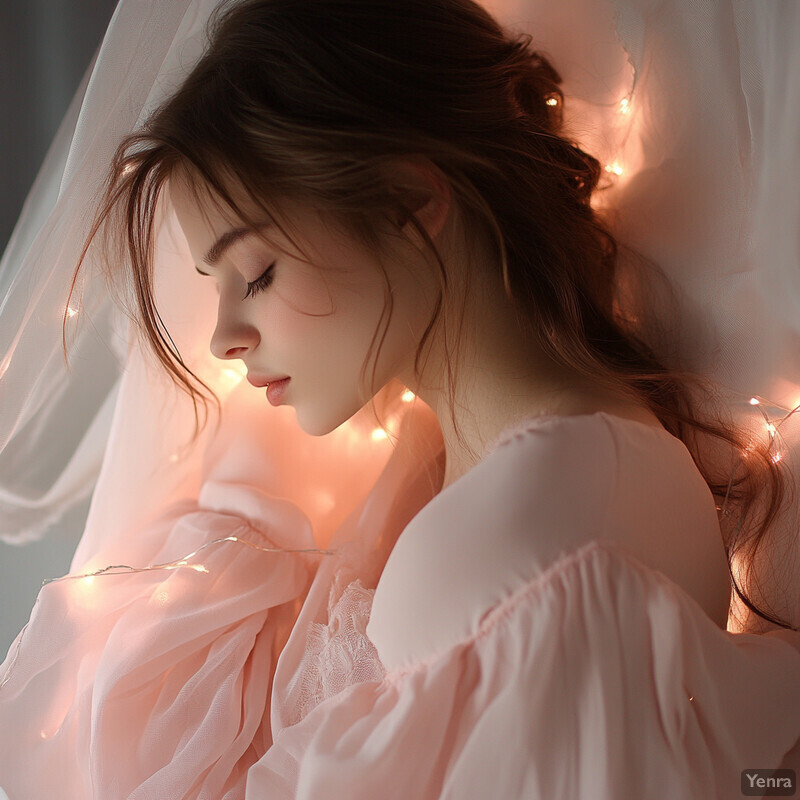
<point>261,283</point>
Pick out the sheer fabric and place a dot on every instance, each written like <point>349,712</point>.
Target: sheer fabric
<point>694,108</point>
<point>547,658</point>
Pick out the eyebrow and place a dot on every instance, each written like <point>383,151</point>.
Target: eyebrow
<point>229,238</point>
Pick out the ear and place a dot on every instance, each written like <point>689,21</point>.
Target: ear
<point>423,190</point>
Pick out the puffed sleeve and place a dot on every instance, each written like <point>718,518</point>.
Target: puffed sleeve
<point>600,679</point>
<point>156,683</point>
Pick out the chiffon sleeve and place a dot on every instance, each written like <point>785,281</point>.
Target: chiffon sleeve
<point>600,679</point>
<point>156,683</point>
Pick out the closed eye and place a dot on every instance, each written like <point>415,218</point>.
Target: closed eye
<point>261,283</point>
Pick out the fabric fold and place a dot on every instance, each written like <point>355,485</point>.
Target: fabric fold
<point>600,678</point>
<point>156,682</point>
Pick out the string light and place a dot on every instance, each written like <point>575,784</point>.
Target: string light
<point>616,168</point>
<point>86,580</point>
<point>552,101</point>
<point>776,442</point>
<point>184,562</point>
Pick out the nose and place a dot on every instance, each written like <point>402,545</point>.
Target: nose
<point>233,337</point>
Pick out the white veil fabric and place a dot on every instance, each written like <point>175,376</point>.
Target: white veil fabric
<point>693,107</point>
<point>110,407</point>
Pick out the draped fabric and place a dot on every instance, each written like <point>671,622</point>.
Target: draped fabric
<point>693,107</point>
<point>530,634</point>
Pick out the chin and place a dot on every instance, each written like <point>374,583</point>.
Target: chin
<point>321,424</point>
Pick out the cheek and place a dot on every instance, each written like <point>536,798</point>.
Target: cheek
<point>340,303</point>
<point>292,309</point>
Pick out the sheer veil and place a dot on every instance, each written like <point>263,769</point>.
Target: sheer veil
<point>693,107</point>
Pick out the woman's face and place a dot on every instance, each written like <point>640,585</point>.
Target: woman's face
<point>316,318</point>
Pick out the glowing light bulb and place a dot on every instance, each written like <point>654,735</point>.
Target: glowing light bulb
<point>231,377</point>
<point>378,434</point>
<point>616,168</point>
<point>552,101</point>
<point>408,396</point>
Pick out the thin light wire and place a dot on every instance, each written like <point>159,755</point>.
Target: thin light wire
<point>178,563</point>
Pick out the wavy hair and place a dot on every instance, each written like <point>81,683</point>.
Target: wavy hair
<point>315,98</point>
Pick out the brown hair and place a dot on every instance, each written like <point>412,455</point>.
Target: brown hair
<point>315,98</point>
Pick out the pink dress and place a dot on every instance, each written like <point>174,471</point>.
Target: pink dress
<point>525,634</point>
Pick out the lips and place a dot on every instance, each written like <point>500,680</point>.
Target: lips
<point>261,380</point>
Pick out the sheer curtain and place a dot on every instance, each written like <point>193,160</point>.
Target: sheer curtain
<point>45,49</point>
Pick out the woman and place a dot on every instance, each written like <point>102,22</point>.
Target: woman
<point>529,598</point>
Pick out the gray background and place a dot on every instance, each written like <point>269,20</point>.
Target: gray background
<point>45,48</point>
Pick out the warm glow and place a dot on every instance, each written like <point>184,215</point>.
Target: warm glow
<point>378,434</point>
<point>771,428</point>
<point>324,500</point>
<point>85,595</point>
<point>552,101</point>
<point>408,396</point>
<point>71,312</point>
<point>616,168</point>
<point>753,401</point>
<point>231,377</point>
<point>624,106</point>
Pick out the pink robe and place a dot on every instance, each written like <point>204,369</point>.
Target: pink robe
<point>507,639</point>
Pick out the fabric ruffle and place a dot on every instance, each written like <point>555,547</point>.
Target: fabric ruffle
<point>599,678</point>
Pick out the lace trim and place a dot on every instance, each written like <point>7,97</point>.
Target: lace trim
<point>338,654</point>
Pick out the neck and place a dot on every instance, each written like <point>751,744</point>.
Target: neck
<point>500,379</point>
